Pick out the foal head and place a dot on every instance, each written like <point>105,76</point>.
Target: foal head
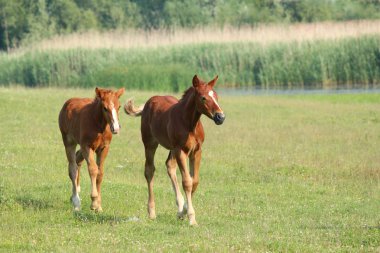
<point>206,100</point>
<point>110,106</point>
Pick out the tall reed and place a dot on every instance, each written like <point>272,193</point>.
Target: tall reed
<point>321,63</point>
<point>263,34</point>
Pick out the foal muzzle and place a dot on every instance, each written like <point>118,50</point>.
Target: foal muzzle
<point>219,118</point>
<point>115,130</point>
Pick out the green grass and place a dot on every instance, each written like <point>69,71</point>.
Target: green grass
<point>320,63</point>
<point>283,173</point>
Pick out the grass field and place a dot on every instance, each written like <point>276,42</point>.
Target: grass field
<point>283,173</point>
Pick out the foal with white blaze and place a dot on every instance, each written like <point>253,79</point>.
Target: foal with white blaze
<point>89,123</point>
<point>175,124</point>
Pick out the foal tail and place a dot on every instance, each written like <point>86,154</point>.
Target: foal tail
<point>131,110</point>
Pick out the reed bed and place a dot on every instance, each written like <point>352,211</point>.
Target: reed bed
<point>319,58</point>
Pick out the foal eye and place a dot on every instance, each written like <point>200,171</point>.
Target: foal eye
<point>105,109</point>
<point>203,99</point>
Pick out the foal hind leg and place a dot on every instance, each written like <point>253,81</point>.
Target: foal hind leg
<point>79,160</point>
<point>149,174</point>
<point>73,174</point>
<point>171,165</point>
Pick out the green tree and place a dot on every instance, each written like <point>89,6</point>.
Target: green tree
<point>13,23</point>
<point>27,21</point>
<point>151,12</point>
<point>187,13</point>
<point>117,14</point>
<point>40,25</point>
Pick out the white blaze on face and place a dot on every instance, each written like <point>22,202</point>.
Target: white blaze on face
<point>115,120</point>
<point>211,94</point>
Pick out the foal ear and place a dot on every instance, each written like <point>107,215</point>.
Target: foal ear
<point>120,92</point>
<point>196,81</point>
<point>98,92</point>
<point>213,82</point>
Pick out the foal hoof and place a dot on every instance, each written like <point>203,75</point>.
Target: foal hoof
<point>193,223</point>
<point>152,216</point>
<point>75,200</point>
<point>181,215</point>
<point>96,208</point>
<point>192,220</point>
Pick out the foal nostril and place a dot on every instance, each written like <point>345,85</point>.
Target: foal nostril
<point>219,118</point>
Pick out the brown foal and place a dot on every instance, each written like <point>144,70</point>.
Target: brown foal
<point>176,126</point>
<point>89,123</point>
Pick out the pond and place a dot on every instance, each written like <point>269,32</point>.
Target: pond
<point>259,91</point>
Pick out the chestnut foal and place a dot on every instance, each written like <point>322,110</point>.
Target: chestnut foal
<point>176,126</point>
<point>89,123</point>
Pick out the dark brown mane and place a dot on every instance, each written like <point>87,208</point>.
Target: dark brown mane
<point>187,93</point>
<point>105,91</point>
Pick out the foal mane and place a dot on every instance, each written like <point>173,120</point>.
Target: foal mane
<point>187,93</point>
<point>98,99</point>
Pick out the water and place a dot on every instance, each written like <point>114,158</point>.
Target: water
<point>260,92</point>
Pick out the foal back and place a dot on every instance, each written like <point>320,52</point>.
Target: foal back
<point>72,116</point>
<point>157,120</point>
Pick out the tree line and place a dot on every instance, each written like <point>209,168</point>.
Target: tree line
<point>25,21</point>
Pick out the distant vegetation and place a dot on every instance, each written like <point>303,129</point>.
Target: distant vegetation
<point>319,63</point>
<point>161,44</point>
<point>25,21</point>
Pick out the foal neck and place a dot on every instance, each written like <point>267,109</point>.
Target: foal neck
<point>191,116</point>
<point>98,115</point>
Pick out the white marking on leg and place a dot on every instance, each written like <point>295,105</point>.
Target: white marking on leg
<point>76,202</point>
<point>180,203</point>
<point>182,207</point>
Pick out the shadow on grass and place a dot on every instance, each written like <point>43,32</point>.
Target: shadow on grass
<point>29,202</point>
<point>171,219</point>
<point>15,247</point>
<point>101,218</point>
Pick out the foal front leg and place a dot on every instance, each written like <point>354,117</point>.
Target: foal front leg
<point>89,156</point>
<point>187,183</point>
<point>171,165</point>
<point>100,158</point>
<point>195,161</point>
